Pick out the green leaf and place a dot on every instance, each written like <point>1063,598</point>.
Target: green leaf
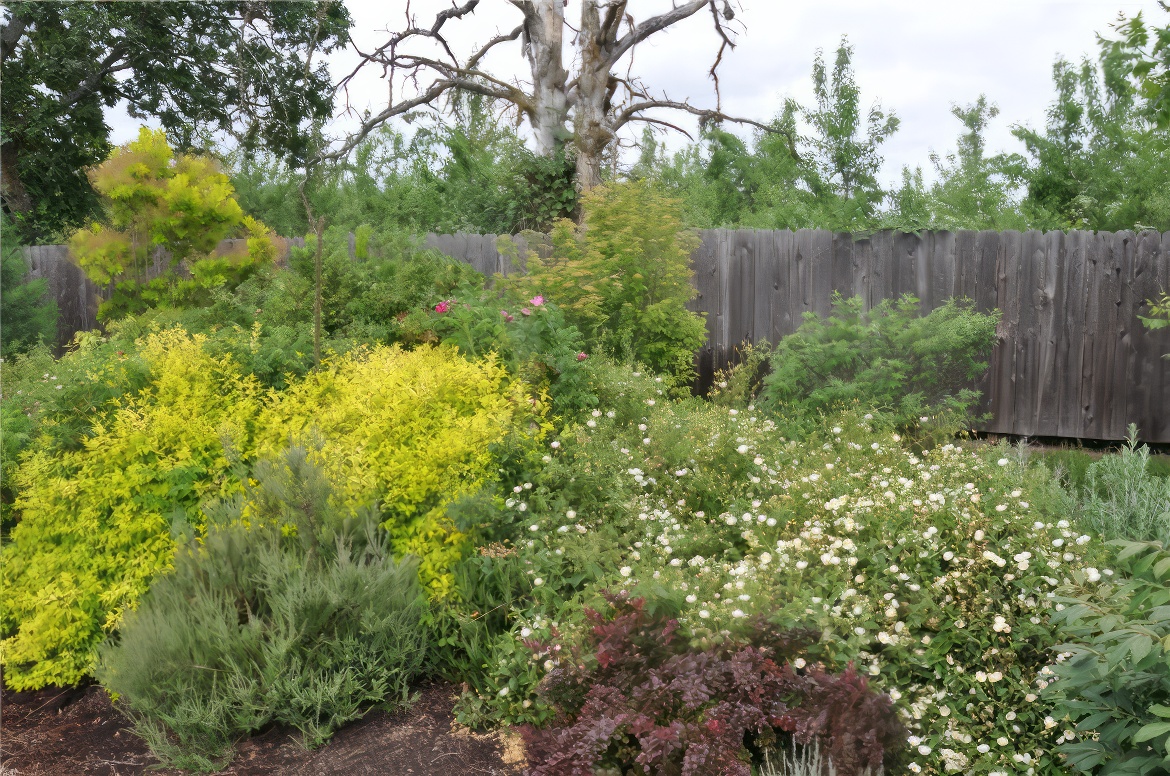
<point>1152,730</point>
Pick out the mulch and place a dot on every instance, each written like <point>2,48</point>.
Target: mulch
<point>78,731</point>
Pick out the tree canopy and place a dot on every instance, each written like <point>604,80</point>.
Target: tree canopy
<point>241,67</point>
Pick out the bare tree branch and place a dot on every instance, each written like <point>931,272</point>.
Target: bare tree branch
<point>653,25</point>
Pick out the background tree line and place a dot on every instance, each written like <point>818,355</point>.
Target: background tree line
<point>245,82</point>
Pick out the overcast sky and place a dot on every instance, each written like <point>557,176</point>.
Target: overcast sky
<point>916,57</point>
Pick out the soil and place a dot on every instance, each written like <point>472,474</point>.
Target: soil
<point>78,731</point>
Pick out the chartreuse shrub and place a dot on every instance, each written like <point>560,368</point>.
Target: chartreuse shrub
<point>1110,684</point>
<point>182,203</point>
<point>928,570</point>
<point>623,277</point>
<point>636,697</point>
<point>289,610</point>
<point>888,359</point>
<point>95,522</point>
<point>412,430</point>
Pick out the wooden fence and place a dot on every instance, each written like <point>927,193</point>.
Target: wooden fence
<point>1073,359</point>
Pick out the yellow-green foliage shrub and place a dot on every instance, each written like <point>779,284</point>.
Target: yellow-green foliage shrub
<point>413,430</point>
<point>96,522</point>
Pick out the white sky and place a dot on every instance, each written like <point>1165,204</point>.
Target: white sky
<point>916,56</point>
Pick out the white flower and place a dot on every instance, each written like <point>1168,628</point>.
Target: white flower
<point>571,514</point>
<point>765,558</point>
<point>692,598</point>
<point>554,444</point>
<point>923,750</point>
<point>538,581</point>
<point>1002,741</point>
<point>742,449</point>
<point>625,571</point>
<point>525,632</point>
<point>534,526</point>
<point>1002,462</point>
<point>548,665</point>
<point>646,440</point>
<point>704,613</point>
<point>503,691</point>
<point>650,402</point>
<point>738,613</point>
<point>1092,574</point>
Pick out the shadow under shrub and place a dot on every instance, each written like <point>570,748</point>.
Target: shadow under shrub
<point>287,612</point>
<point>638,698</point>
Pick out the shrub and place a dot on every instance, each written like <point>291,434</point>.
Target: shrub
<point>1123,499</point>
<point>887,359</point>
<point>1110,684</point>
<point>95,522</point>
<point>184,204</point>
<point>623,278</point>
<point>928,569</point>
<point>413,430</point>
<point>639,698</point>
<point>288,611</point>
<point>28,313</point>
<point>529,336</point>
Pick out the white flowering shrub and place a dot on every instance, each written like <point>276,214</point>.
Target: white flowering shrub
<point>933,571</point>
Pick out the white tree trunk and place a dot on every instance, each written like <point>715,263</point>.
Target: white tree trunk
<point>544,27</point>
<point>590,107</point>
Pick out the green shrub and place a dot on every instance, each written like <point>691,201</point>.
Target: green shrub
<point>288,611</point>
<point>28,314</point>
<point>1111,681</point>
<point>529,336</point>
<point>623,278</point>
<point>886,360</point>
<point>1123,499</point>
<point>95,522</point>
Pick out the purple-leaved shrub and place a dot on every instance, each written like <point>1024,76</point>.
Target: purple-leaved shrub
<point>636,697</point>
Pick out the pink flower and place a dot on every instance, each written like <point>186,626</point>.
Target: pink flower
<point>503,313</point>
<point>537,300</point>
<point>581,356</point>
<point>525,311</point>
<point>441,307</point>
<point>509,319</point>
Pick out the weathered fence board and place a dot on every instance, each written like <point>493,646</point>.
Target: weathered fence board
<point>1073,359</point>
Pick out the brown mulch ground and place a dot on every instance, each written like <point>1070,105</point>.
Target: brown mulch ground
<point>73,732</point>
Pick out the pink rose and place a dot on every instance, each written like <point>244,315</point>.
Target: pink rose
<point>441,307</point>
<point>525,311</point>
<point>581,356</point>
<point>537,300</point>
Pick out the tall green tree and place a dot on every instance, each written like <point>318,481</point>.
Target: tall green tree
<point>846,140</point>
<point>241,67</point>
<point>972,190</point>
<point>1101,161</point>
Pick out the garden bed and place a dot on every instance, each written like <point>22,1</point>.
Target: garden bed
<point>57,732</point>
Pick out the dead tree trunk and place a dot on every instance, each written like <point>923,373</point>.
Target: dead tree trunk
<point>592,94</point>
<point>544,26</point>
